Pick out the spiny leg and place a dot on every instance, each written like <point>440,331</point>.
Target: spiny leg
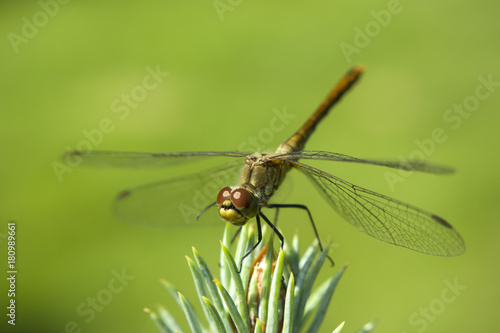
<point>259,239</point>
<point>280,236</point>
<point>259,235</point>
<point>233,239</point>
<point>278,206</point>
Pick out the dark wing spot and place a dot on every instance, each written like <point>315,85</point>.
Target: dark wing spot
<point>442,221</point>
<point>122,195</point>
<point>76,153</point>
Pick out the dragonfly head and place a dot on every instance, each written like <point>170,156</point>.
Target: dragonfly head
<point>237,206</point>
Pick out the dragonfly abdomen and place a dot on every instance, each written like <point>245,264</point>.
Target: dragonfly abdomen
<point>298,140</point>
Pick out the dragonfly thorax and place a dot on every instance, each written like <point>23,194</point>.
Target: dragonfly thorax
<point>238,205</point>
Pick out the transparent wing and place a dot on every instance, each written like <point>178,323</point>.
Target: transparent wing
<point>178,201</point>
<point>139,160</point>
<point>387,219</point>
<point>410,165</point>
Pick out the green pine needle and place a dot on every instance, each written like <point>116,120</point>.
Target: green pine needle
<point>272,292</point>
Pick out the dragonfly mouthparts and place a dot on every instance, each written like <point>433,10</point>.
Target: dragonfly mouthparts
<point>229,213</point>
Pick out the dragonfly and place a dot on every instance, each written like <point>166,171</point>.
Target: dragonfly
<point>260,175</point>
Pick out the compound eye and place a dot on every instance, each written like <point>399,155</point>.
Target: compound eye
<point>242,198</point>
<point>223,195</point>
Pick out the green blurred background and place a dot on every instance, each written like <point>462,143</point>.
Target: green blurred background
<point>227,71</point>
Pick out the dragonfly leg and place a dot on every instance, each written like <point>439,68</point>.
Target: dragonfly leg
<point>280,236</point>
<point>259,239</point>
<point>278,206</point>
<point>259,235</point>
<point>233,239</point>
